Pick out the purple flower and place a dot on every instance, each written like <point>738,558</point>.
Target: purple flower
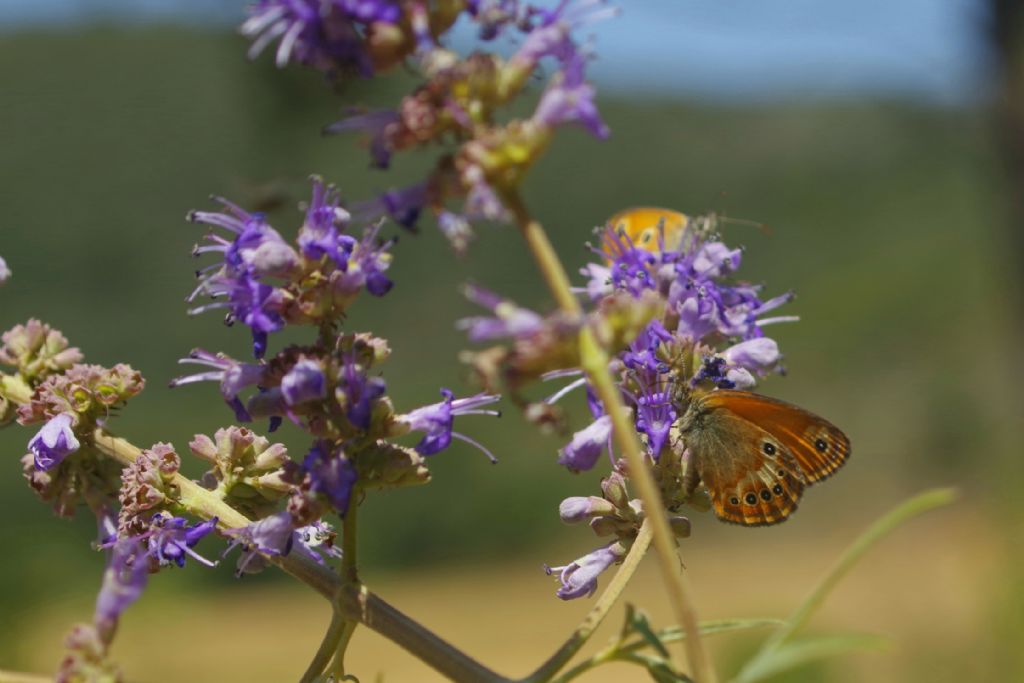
<point>579,578</point>
<point>320,34</point>
<point>510,320</point>
<point>552,35</point>
<point>123,582</point>
<point>330,474</point>
<point>361,393</point>
<point>171,539</point>
<point>367,263</point>
<point>587,444</point>
<point>642,354</point>
<point>403,206</point>
<point>256,247</point>
<point>316,538</point>
<point>575,509</point>
<point>276,536</point>
<point>232,375</point>
<point>319,234</point>
<point>256,251</point>
<point>570,99</point>
<point>269,537</point>
<point>304,382</point>
<point>760,355</point>
<point>437,420</point>
<point>631,268</point>
<point>54,442</point>
<point>654,416</point>
<point>374,124</point>
<point>5,272</point>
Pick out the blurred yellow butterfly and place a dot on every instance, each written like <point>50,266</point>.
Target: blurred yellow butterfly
<point>648,228</point>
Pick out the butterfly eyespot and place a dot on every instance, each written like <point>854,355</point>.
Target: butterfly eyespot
<point>777,489</point>
<point>782,473</point>
<point>734,501</point>
<point>750,498</point>
<point>766,495</point>
<point>769,448</point>
<point>821,445</point>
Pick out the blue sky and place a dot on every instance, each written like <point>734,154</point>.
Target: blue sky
<point>724,49</point>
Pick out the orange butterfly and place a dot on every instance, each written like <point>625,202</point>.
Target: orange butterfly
<point>755,455</point>
<point>649,228</point>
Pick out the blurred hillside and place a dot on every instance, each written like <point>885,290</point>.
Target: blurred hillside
<point>886,219</point>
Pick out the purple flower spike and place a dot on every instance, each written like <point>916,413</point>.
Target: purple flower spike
<point>587,444</point>
<point>304,382</point>
<point>54,442</point>
<point>436,421</point>
<point>579,578</point>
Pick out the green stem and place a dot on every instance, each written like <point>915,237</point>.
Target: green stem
<point>355,603</point>
<point>339,658</point>
<point>595,362</point>
<point>327,648</point>
<point>350,579</point>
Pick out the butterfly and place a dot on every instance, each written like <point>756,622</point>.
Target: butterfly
<point>755,455</point>
<point>649,228</point>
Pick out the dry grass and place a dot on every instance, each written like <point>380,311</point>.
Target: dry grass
<point>930,588</point>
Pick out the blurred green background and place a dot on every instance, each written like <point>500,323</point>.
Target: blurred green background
<point>889,219</point>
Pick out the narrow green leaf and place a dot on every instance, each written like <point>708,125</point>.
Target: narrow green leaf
<point>806,650</point>
<point>641,625</point>
<point>671,634</point>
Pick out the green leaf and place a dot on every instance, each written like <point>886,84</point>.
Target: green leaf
<point>804,651</point>
<point>659,669</point>
<point>640,624</point>
<point>671,634</point>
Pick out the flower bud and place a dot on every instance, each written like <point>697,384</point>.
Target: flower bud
<point>680,526</point>
<point>578,508</point>
<point>614,488</point>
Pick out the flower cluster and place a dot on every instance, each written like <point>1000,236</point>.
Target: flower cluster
<point>332,389</point>
<point>693,326</point>
<point>459,99</point>
<point>264,282</point>
<point>343,36</point>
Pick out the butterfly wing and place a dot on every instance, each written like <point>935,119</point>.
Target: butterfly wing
<point>752,478</point>
<point>819,447</point>
<point>649,228</point>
